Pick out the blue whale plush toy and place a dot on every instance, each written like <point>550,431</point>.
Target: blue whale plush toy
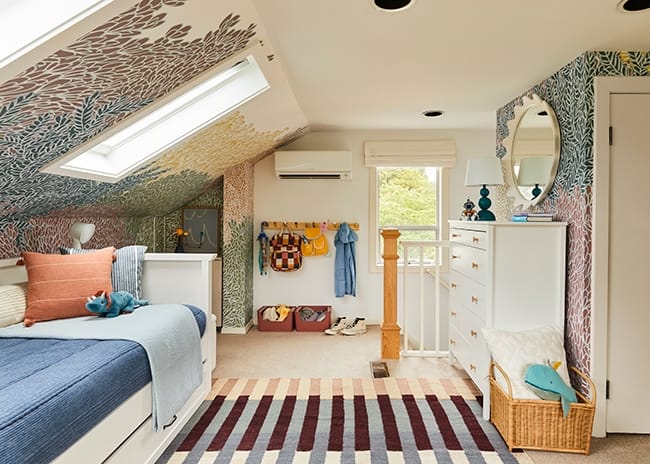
<point>113,304</point>
<point>544,380</point>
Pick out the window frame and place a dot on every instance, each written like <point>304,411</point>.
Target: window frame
<point>375,261</point>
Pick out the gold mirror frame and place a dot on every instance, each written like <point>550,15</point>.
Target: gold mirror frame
<point>521,195</point>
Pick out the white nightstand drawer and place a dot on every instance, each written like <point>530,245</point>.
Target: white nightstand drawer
<point>469,236</point>
<point>472,361</point>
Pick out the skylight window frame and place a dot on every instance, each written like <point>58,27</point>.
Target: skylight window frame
<point>98,158</point>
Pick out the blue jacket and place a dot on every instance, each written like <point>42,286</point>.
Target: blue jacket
<point>345,270</point>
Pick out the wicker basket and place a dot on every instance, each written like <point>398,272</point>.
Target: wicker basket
<point>539,424</point>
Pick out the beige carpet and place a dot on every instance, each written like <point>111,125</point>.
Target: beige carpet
<point>305,354</point>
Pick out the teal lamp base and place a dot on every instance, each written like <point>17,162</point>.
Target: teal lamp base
<point>484,203</point>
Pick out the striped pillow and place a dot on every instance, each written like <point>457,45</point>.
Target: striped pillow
<point>127,267</point>
<point>13,302</point>
<point>57,286</point>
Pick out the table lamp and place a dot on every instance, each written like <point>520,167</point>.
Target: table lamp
<point>483,172</point>
<point>81,233</point>
<point>533,171</point>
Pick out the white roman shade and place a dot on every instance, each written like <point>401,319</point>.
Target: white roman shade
<point>410,153</point>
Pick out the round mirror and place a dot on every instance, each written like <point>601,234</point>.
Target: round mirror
<point>532,151</point>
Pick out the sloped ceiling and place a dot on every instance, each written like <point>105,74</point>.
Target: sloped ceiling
<point>111,71</point>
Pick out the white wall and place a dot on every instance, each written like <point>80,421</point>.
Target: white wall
<point>339,201</point>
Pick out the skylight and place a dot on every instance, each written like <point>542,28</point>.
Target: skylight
<point>28,23</point>
<point>146,137</point>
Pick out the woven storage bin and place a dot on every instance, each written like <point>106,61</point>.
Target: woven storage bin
<point>539,424</point>
<point>274,326</point>
<point>313,326</point>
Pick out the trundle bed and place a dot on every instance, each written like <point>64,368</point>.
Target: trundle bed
<point>88,400</point>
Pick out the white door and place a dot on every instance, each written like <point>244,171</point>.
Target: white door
<point>628,366</point>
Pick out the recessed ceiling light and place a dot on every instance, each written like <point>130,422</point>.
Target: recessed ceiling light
<point>631,6</point>
<point>433,113</point>
<point>393,5</point>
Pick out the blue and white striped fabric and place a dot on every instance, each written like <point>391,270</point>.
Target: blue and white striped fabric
<point>126,275</point>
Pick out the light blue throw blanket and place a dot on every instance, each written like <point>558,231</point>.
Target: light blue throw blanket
<point>168,333</point>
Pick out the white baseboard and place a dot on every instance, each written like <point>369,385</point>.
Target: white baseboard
<point>237,330</point>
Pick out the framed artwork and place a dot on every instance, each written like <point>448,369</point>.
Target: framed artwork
<point>202,227</point>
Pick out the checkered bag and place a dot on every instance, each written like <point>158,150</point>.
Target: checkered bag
<point>285,251</point>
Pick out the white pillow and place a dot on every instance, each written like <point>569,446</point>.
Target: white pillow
<point>515,351</point>
<point>13,302</point>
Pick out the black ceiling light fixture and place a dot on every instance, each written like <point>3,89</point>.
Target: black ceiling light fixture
<point>632,6</point>
<point>393,5</point>
<point>433,113</point>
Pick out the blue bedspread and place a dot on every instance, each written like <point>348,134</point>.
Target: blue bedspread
<point>53,391</point>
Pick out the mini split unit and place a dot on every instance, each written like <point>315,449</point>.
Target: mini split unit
<point>313,164</point>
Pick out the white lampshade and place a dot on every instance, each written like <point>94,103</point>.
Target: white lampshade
<point>483,171</point>
<point>534,170</point>
<point>81,233</point>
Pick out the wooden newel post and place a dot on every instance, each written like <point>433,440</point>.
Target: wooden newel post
<point>389,328</point>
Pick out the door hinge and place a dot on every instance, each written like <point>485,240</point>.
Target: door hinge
<point>611,135</point>
<point>606,389</point>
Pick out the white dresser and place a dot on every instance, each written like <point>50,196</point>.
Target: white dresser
<point>505,275</point>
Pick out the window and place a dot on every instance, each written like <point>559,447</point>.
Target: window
<point>146,135</point>
<point>407,199</point>
<point>408,189</point>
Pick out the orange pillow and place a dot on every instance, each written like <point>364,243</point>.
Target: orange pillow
<point>58,285</point>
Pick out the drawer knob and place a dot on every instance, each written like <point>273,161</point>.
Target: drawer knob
<point>475,239</point>
<point>473,333</point>
<point>452,341</point>
<point>455,257</point>
<point>474,300</point>
<point>455,235</point>
<point>474,265</point>
<point>453,313</point>
<point>472,367</point>
<point>452,285</point>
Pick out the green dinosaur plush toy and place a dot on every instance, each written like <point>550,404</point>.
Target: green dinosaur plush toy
<point>113,304</point>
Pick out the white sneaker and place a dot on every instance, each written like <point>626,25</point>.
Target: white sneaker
<point>340,324</point>
<point>358,327</point>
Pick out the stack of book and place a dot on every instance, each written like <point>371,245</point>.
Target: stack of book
<point>532,217</point>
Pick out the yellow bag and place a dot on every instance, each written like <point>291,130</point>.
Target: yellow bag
<point>314,243</point>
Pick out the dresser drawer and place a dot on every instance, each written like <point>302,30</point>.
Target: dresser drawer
<point>473,237</point>
<point>465,293</point>
<point>472,361</point>
<point>470,261</point>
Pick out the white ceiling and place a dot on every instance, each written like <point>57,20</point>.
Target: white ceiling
<point>354,67</point>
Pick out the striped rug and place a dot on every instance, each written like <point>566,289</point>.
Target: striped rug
<point>383,420</point>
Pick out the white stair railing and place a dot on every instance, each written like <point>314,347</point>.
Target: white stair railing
<point>418,264</point>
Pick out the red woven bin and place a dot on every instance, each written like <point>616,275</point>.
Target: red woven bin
<point>274,326</point>
<point>313,326</point>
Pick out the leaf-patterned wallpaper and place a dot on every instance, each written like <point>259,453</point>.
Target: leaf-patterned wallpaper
<point>570,92</point>
<point>108,73</point>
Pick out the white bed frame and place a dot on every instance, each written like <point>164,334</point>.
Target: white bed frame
<point>126,435</point>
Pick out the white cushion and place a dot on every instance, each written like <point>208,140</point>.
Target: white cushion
<point>13,302</point>
<point>515,351</point>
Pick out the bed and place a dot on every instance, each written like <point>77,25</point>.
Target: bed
<point>104,408</point>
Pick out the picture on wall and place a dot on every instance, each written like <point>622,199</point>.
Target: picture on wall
<point>202,225</point>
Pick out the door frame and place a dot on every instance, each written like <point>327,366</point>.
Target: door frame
<point>603,88</point>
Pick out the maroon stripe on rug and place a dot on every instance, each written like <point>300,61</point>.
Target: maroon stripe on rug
<point>446,430</point>
<point>420,435</point>
<point>255,425</point>
<point>282,425</point>
<point>336,425</point>
<point>472,424</point>
<point>393,442</point>
<point>361,430</point>
<point>308,433</point>
<point>228,425</point>
<point>202,424</point>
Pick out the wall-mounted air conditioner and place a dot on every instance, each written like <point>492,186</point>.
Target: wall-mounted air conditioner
<point>313,164</point>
